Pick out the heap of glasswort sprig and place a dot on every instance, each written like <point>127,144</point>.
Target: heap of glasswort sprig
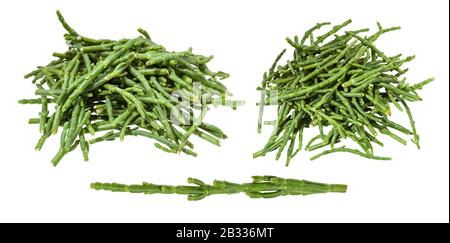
<point>126,87</point>
<point>342,85</point>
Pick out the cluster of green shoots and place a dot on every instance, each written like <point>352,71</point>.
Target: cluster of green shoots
<point>126,87</point>
<point>344,86</point>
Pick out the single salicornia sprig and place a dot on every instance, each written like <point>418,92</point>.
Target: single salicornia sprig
<point>260,187</point>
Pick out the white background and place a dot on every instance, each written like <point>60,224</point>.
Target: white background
<point>244,37</point>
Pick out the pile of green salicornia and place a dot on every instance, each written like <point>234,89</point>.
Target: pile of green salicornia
<point>345,87</point>
<point>260,187</point>
<point>126,87</point>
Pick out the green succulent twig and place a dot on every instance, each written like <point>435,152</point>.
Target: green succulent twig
<point>260,187</point>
